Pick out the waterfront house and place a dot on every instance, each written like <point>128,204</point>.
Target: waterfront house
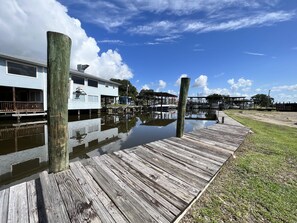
<point>23,88</point>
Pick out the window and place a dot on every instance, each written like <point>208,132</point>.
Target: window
<point>93,98</point>
<point>21,69</point>
<point>78,80</point>
<point>92,83</point>
<point>101,82</point>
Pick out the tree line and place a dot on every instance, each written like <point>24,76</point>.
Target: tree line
<point>128,89</point>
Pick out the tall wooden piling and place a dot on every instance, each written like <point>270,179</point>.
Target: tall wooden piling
<point>58,63</point>
<point>182,103</point>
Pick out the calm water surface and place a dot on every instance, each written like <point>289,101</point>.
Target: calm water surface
<point>23,146</point>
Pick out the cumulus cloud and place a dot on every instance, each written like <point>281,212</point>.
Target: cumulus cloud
<point>23,33</point>
<point>177,83</point>
<point>241,83</point>
<point>145,87</point>
<point>162,84</point>
<point>172,92</point>
<point>201,81</point>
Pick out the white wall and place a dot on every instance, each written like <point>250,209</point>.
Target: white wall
<point>40,83</point>
<point>13,80</point>
<point>109,89</point>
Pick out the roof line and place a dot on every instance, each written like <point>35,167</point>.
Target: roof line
<point>43,64</point>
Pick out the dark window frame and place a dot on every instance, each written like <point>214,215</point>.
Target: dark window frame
<point>17,68</point>
<point>78,80</point>
<point>92,83</point>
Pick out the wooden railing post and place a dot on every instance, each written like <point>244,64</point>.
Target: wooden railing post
<point>58,64</point>
<point>182,104</point>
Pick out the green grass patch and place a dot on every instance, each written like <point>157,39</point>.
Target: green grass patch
<point>259,185</point>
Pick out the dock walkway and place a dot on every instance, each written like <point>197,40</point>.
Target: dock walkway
<point>154,182</point>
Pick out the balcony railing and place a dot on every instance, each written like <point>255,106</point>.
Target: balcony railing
<point>21,106</point>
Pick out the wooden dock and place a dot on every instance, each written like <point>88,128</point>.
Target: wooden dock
<point>154,182</point>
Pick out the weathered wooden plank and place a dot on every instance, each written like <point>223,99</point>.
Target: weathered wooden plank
<point>163,192</point>
<point>216,151</point>
<point>18,205</point>
<point>202,172</point>
<point>214,138</point>
<point>204,163</point>
<point>191,148</point>
<point>170,167</point>
<point>178,187</point>
<point>105,208</point>
<point>220,135</point>
<point>79,208</point>
<point>32,201</point>
<point>120,197</point>
<point>164,207</point>
<point>229,136</point>
<point>236,130</point>
<point>4,199</point>
<point>144,203</point>
<point>54,206</point>
<point>212,142</point>
<point>217,137</point>
<point>40,202</point>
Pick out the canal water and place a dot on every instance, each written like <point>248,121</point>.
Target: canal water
<point>23,146</point>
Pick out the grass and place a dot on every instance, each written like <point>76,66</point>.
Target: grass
<point>259,185</point>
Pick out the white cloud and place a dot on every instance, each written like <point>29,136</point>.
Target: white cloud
<point>172,92</point>
<point>177,83</point>
<point>285,88</point>
<point>218,15</point>
<point>258,90</point>
<point>222,91</point>
<point>162,85</point>
<point>112,41</point>
<point>241,83</point>
<point>145,87</point>
<point>168,39</point>
<point>154,28</point>
<point>201,81</point>
<point>166,27</point>
<point>254,54</point>
<point>23,33</point>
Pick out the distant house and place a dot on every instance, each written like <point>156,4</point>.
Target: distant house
<point>23,87</point>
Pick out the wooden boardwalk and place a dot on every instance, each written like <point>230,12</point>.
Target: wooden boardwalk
<point>154,182</point>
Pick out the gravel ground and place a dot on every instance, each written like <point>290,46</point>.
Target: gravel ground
<point>279,118</point>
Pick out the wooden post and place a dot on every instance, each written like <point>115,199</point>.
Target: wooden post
<point>182,103</point>
<point>13,99</point>
<point>58,62</point>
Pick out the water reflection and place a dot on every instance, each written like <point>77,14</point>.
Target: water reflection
<point>23,147</point>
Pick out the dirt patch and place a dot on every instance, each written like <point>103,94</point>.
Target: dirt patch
<point>274,117</point>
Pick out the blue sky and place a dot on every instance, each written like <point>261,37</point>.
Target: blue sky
<point>235,47</point>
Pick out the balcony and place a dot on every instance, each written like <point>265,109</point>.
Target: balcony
<point>21,107</point>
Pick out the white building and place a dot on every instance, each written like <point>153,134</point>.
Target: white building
<point>23,87</point>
